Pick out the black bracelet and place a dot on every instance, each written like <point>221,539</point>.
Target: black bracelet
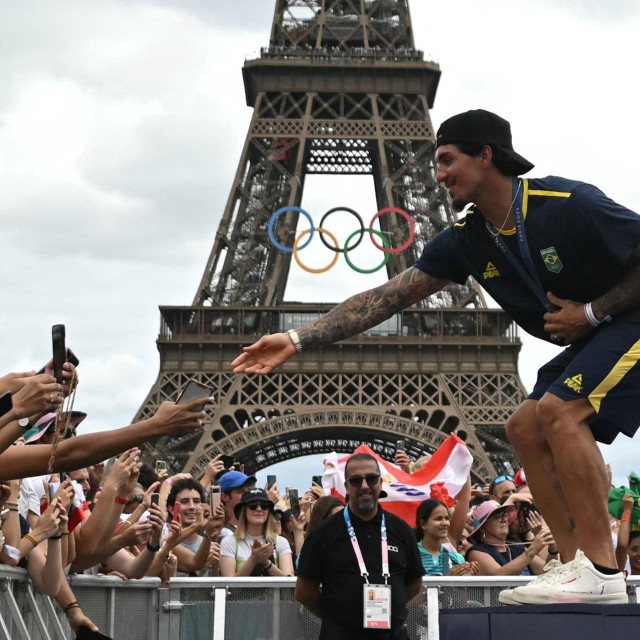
<point>72,605</point>
<point>151,548</point>
<point>55,537</point>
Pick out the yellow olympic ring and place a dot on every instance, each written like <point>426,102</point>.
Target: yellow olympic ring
<point>309,269</point>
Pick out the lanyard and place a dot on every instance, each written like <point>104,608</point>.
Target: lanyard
<point>356,547</point>
<point>527,272</point>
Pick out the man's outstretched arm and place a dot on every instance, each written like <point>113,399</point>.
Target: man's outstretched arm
<point>355,315</point>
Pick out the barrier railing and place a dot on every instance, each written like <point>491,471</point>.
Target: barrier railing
<point>217,608</point>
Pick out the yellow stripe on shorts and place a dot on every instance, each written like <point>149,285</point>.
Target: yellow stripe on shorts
<point>619,371</point>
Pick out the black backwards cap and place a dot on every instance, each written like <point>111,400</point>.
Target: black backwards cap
<point>482,127</point>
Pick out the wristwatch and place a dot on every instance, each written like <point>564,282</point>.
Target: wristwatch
<point>25,423</point>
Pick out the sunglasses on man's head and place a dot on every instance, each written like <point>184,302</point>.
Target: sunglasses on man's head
<point>254,505</point>
<point>371,479</point>
<point>500,479</point>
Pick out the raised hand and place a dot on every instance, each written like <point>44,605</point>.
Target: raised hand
<point>265,355</point>
<point>39,394</point>
<point>181,418</point>
<point>124,472</point>
<point>403,461</point>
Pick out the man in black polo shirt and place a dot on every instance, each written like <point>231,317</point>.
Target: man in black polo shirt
<point>328,558</point>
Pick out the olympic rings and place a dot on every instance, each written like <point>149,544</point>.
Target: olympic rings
<point>353,213</point>
<point>385,241</point>
<point>309,269</point>
<point>386,249</point>
<point>412,229</point>
<point>276,215</point>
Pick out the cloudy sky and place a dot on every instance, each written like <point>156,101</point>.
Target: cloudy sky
<point>121,124</point>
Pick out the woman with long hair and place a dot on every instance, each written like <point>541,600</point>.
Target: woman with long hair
<point>255,549</point>
<point>439,557</point>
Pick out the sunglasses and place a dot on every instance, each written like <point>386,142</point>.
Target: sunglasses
<point>500,479</point>
<point>371,479</point>
<point>501,516</point>
<point>254,505</point>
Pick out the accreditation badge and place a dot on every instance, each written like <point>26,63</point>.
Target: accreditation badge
<point>376,606</point>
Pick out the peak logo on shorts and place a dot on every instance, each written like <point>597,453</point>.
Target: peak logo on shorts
<point>551,259</point>
<point>491,271</point>
<point>575,383</point>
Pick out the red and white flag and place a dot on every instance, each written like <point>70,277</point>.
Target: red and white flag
<point>442,477</point>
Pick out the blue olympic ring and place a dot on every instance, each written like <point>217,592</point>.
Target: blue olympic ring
<point>276,215</point>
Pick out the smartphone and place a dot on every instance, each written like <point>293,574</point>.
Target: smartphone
<point>227,461</point>
<point>316,480</point>
<point>71,357</point>
<point>176,512</point>
<point>53,488</point>
<point>214,498</point>
<point>155,498</point>
<point>6,403</point>
<point>59,350</point>
<point>194,390</point>
<point>63,476</point>
<point>401,445</point>
<point>294,501</point>
<point>161,465</point>
<point>271,480</point>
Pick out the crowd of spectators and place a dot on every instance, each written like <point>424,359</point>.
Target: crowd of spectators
<point>65,509</point>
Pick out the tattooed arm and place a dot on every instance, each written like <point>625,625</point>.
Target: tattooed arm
<point>570,322</point>
<point>355,315</point>
<point>370,308</point>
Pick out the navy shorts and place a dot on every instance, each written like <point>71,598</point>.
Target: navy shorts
<point>605,369</point>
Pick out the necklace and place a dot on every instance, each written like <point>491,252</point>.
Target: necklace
<point>496,232</point>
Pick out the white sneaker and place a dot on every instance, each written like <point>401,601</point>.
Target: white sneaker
<point>576,581</point>
<point>506,595</point>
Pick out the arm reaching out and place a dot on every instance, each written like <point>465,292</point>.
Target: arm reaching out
<point>353,316</point>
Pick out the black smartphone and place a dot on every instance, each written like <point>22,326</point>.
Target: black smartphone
<point>271,480</point>
<point>71,357</point>
<point>316,480</point>
<point>6,403</point>
<point>59,350</point>
<point>227,461</point>
<point>401,445</point>
<point>294,501</point>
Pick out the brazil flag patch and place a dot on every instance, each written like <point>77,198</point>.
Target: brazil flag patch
<point>551,259</point>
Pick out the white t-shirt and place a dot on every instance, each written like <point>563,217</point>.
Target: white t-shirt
<point>31,491</point>
<point>228,547</point>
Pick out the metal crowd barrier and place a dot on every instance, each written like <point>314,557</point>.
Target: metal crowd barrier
<point>216,608</point>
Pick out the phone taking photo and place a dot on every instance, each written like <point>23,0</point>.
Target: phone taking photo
<point>271,480</point>
<point>294,501</point>
<point>215,497</point>
<point>155,498</point>
<point>194,390</point>
<point>401,445</point>
<point>59,350</point>
<point>176,512</point>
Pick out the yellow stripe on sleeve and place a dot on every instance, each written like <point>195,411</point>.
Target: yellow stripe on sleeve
<point>619,371</point>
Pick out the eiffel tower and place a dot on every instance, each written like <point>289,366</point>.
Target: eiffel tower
<point>340,90</point>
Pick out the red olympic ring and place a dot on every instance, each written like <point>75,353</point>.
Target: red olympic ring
<point>412,229</point>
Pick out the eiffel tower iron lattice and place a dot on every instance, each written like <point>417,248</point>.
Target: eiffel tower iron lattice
<point>340,90</point>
